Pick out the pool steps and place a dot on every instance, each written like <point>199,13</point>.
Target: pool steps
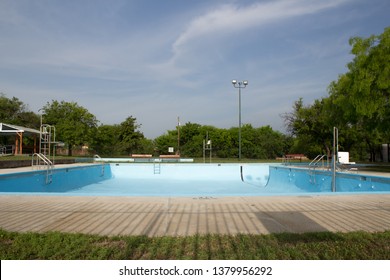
<point>46,162</point>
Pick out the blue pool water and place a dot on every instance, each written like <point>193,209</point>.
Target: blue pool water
<point>199,180</point>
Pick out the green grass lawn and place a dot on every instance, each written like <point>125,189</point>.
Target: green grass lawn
<point>28,157</point>
<point>284,246</point>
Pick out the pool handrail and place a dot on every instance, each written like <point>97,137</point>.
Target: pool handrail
<point>47,162</point>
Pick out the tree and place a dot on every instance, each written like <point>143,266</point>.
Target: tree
<point>106,140</point>
<point>190,140</point>
<point>264,142</point>
<point>130,138</point>
<point>362,94</point>
<point>311,126</point>
<point>370,77</point>
<point>74,124</point>
<point>270,143</point>
<point>10,108</point>
<point>14,111</point>
<point>163,142</point>
<point>358,103</point>
<point>224,141</point>
<point>122,139</point>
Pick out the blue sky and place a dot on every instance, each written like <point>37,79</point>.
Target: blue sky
<point>156,60</point>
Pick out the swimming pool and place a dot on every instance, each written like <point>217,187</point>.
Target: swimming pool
<point>192,180</point>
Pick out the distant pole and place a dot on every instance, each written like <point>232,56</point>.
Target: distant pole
<point>211,150</point>
<point>178,136</point>
<point>334,157</point>
<point>239,85</point>
<point>40,130</point>
<point>204,151</point>
<point>239,123</point>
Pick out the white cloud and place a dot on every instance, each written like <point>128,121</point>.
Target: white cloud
<point>232,18</point>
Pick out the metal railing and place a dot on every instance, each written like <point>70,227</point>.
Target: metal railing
<point>41,158</point>
<point>312,167</point>
<point>316,160</point>
<point>6,150</point>
<point>157,166</point>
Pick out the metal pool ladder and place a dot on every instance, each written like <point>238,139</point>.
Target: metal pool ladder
<point>157,166</point>
<point>312,168</point>
<point>41,158</point>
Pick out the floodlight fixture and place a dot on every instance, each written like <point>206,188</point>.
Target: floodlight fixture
<point>234,82</point>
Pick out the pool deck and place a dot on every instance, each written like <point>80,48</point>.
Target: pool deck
<point>176,216</point>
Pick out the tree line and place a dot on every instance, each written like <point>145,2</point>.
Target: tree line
<point>357,104</point>
<point>76,126</point>
<point>257,143</point>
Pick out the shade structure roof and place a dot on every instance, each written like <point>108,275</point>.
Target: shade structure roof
<point>8,129</point>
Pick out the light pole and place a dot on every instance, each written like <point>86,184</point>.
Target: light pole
<point>239,85</point>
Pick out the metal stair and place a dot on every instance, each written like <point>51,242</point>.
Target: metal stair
<point>157,167</point>
<point>41,158</point>
<point>312,168</point>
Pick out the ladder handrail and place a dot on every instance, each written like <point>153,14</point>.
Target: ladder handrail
<point>312,167</point>
<point>47,161</point>
<point>97,158</point>
<point>316,160</point>
<point>285,160</point>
